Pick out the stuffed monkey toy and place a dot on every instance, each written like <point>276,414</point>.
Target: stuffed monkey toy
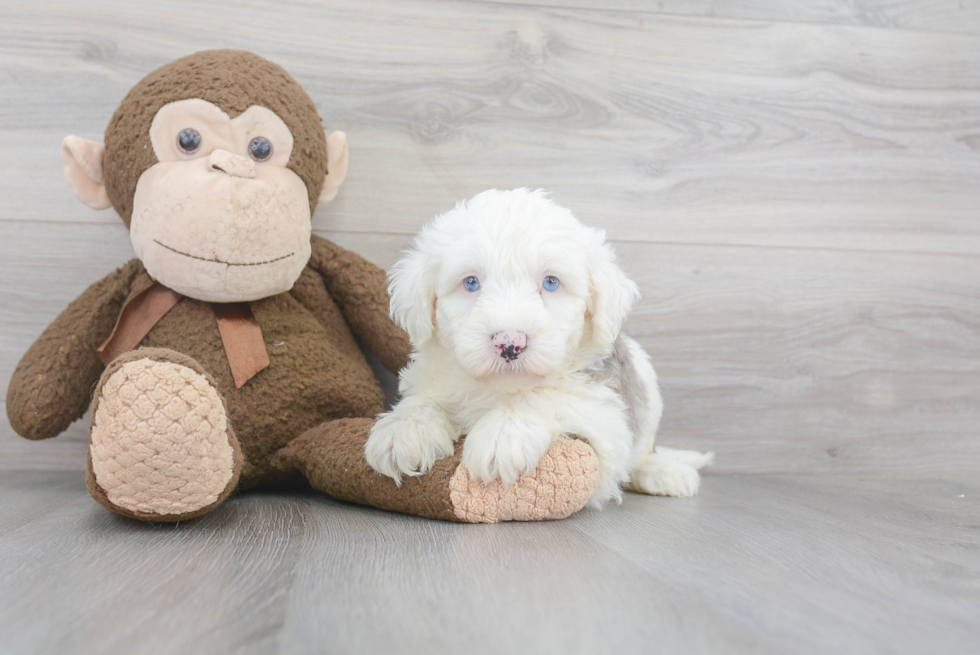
<point>228,353</point>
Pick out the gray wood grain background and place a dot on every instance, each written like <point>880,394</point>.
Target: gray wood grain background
<point>795,186</point>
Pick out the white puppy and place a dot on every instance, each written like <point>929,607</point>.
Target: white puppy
<point>514,309</point>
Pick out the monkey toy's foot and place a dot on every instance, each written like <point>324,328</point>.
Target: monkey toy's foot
<point>331,456</point>
<point>160,445</point>
<point>563,482</point>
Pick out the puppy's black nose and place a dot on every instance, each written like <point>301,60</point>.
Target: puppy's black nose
<point>510,344</point>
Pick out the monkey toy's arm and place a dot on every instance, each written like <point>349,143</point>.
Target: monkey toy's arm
<point>52,385</point>
<point>360,289</point>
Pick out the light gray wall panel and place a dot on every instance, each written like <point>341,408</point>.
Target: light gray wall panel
<point>798,200</point>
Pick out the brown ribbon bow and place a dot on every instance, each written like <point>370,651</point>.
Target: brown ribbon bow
<point>240,332</point>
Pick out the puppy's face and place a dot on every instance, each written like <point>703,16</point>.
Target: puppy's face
<point>512,285</point>
<point>511,296</point>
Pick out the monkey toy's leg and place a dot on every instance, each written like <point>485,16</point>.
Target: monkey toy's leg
<point>331,456</point>
<point>160,445</point>
<point>161,449</point>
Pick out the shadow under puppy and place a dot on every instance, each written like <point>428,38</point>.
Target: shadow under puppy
<point>514,309</point>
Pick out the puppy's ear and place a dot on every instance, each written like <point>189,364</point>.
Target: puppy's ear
<point>411,285</point>
<point>611,293</point>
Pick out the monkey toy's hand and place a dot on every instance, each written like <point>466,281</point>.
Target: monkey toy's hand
<point>52,385</point>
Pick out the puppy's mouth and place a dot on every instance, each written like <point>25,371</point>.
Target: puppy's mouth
<point>502,365</point>
<point>215,260</point>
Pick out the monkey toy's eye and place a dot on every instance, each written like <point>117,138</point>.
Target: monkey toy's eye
<point>471,284</point>
<point>260,148</point>
<point>551,284</point>
<point>189,141</point>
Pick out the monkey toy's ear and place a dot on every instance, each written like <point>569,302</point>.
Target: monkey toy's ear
<point>83,170</point>
<point>336,166</point>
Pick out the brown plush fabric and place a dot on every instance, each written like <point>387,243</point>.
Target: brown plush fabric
<point>316,370</point>
<point>137,318</point>
<point>316,373</point>
<point>234,80</point>
<point>99,494</point>
<point>52,385</point>
<point>361,291</point>
<point>331,456</point>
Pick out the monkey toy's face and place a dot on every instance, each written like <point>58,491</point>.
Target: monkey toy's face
<point>219,217</point>
<point>215,162</point>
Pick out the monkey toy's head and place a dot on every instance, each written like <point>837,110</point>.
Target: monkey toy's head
<point>215,162</point>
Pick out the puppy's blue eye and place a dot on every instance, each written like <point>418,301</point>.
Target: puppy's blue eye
<point>471,284</point>
<point>551,283</point>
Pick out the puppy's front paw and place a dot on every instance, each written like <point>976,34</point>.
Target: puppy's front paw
<point>409,443</point>
<point>501,446</point>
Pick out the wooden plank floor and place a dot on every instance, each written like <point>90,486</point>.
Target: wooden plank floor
<point>755,564</point>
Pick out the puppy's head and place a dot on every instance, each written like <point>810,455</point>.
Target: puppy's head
<point>511,284</point>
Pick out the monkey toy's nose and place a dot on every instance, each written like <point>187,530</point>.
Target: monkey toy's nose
<point>510,344</point>
<point>229,162</point>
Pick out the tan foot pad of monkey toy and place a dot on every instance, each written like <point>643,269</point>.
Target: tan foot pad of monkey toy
<point>228,354</point>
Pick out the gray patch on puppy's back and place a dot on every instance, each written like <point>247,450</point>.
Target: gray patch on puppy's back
<point>618,372</point>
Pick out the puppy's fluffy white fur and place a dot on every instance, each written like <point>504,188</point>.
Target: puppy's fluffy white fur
<point>575,375</point>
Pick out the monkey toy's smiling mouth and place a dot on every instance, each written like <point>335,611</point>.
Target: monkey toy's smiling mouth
<point>215,260</point>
